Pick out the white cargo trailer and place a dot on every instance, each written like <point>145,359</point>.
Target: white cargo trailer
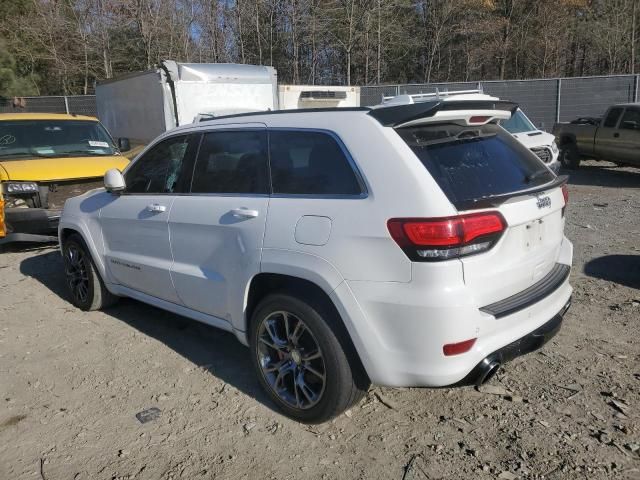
<point>141,106</point>
<point>317,96</point>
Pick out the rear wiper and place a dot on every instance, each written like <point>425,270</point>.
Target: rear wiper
<point>459,138</point>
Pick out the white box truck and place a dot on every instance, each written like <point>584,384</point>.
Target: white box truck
<point>141,106</point>
<point>292,97</point>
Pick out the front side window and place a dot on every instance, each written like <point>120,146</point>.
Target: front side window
<point>631,119</point>
<point>159,169</point>
<point>232,162</point>
<point>518,123</point>
<point>612,118</point>
<point>53,138</point>
<point>310,163</point>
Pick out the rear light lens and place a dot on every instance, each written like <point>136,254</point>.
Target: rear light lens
<point>458,348</point>
<point>565,194</point>
<point>479,119</point>
<point>436,239</point>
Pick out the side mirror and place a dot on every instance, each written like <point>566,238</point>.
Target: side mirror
<point>124,145</point>
<point>113,180</point>
<point>630,125</point>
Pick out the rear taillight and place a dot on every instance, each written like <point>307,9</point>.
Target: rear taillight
<point>565,193</point>
<point>435,239</point>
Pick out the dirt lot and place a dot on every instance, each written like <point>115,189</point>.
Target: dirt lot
<point>71,384</point>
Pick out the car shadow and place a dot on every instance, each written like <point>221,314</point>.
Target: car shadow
<point>214,350</point>
<point>622,269</point>
<point>604,175</point>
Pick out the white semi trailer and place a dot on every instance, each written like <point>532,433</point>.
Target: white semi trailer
<point>141,106</point>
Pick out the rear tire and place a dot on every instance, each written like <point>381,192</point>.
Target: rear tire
<point>299,360</point>
<point>85,285</point>
<point>569,156</point>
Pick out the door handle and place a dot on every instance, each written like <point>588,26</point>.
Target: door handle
<point>616,135</point>
<point>156,208</point>
<point>244,213</point>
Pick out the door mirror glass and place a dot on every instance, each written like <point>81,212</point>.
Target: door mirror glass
<point>113,180</point>
<point>630,125</point>
<point>124,145</point>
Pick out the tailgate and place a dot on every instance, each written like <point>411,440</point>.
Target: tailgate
<point>528,250</point>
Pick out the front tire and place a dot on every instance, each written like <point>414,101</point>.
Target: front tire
<point>86,288</point>
<point>569,156</point>
<point>299,360</point>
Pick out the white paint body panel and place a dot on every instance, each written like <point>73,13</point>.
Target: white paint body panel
<point>398,313</point>
<point>215,251</point>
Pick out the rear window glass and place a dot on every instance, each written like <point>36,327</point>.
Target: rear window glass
<point>470,163</point>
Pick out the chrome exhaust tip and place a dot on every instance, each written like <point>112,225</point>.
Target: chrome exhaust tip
<point>488,368</point>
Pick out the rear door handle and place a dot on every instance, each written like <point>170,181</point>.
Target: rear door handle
<point>156,208</point>
<point>616,135</point>
<point>244,213</point>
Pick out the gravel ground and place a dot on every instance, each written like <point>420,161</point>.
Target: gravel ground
<point>71,384</point>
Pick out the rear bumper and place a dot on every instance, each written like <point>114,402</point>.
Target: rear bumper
<point>529,343</point>
<point>399,329</point>
<point>30,225</point>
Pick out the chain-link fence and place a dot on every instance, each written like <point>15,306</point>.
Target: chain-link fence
<point>78,104</point>
<point>544,101</point>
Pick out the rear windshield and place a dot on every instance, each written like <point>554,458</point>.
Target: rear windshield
<point>471,163</point>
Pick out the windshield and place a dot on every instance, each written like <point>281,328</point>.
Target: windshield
<point>53,138</point>
<point>471,163</point>
<point>518,123</point>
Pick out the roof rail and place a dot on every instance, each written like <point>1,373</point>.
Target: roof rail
<point>408,99</point>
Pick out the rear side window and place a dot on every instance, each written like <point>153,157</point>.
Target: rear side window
<point>232,162</point>
<point>470,163</point>
<point>612,118</point>
<point>310,163</point>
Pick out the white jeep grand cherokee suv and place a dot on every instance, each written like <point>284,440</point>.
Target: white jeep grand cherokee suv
<point>407,245</point>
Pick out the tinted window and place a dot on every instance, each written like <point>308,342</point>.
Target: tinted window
<point>518,123</point>
<point>612,118</point>
<point>469,163</point>
<point>232,162</point>
<point>631,119</point>
<point>158,171</point>
<point>310,163</point>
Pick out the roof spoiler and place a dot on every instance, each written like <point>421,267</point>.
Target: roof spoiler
<point>399,115</point>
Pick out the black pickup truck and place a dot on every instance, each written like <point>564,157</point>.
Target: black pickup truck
<point>615,137</point>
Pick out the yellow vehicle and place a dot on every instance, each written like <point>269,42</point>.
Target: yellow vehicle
<point>45,159</point>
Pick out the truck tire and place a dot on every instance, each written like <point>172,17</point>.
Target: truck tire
<point>85,285</point>
<point>299,359</point>
<point>569,156</point>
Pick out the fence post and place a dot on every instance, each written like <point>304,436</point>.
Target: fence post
<point>558,96</point>
<point>635,93</point>
<point>66,104</point>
